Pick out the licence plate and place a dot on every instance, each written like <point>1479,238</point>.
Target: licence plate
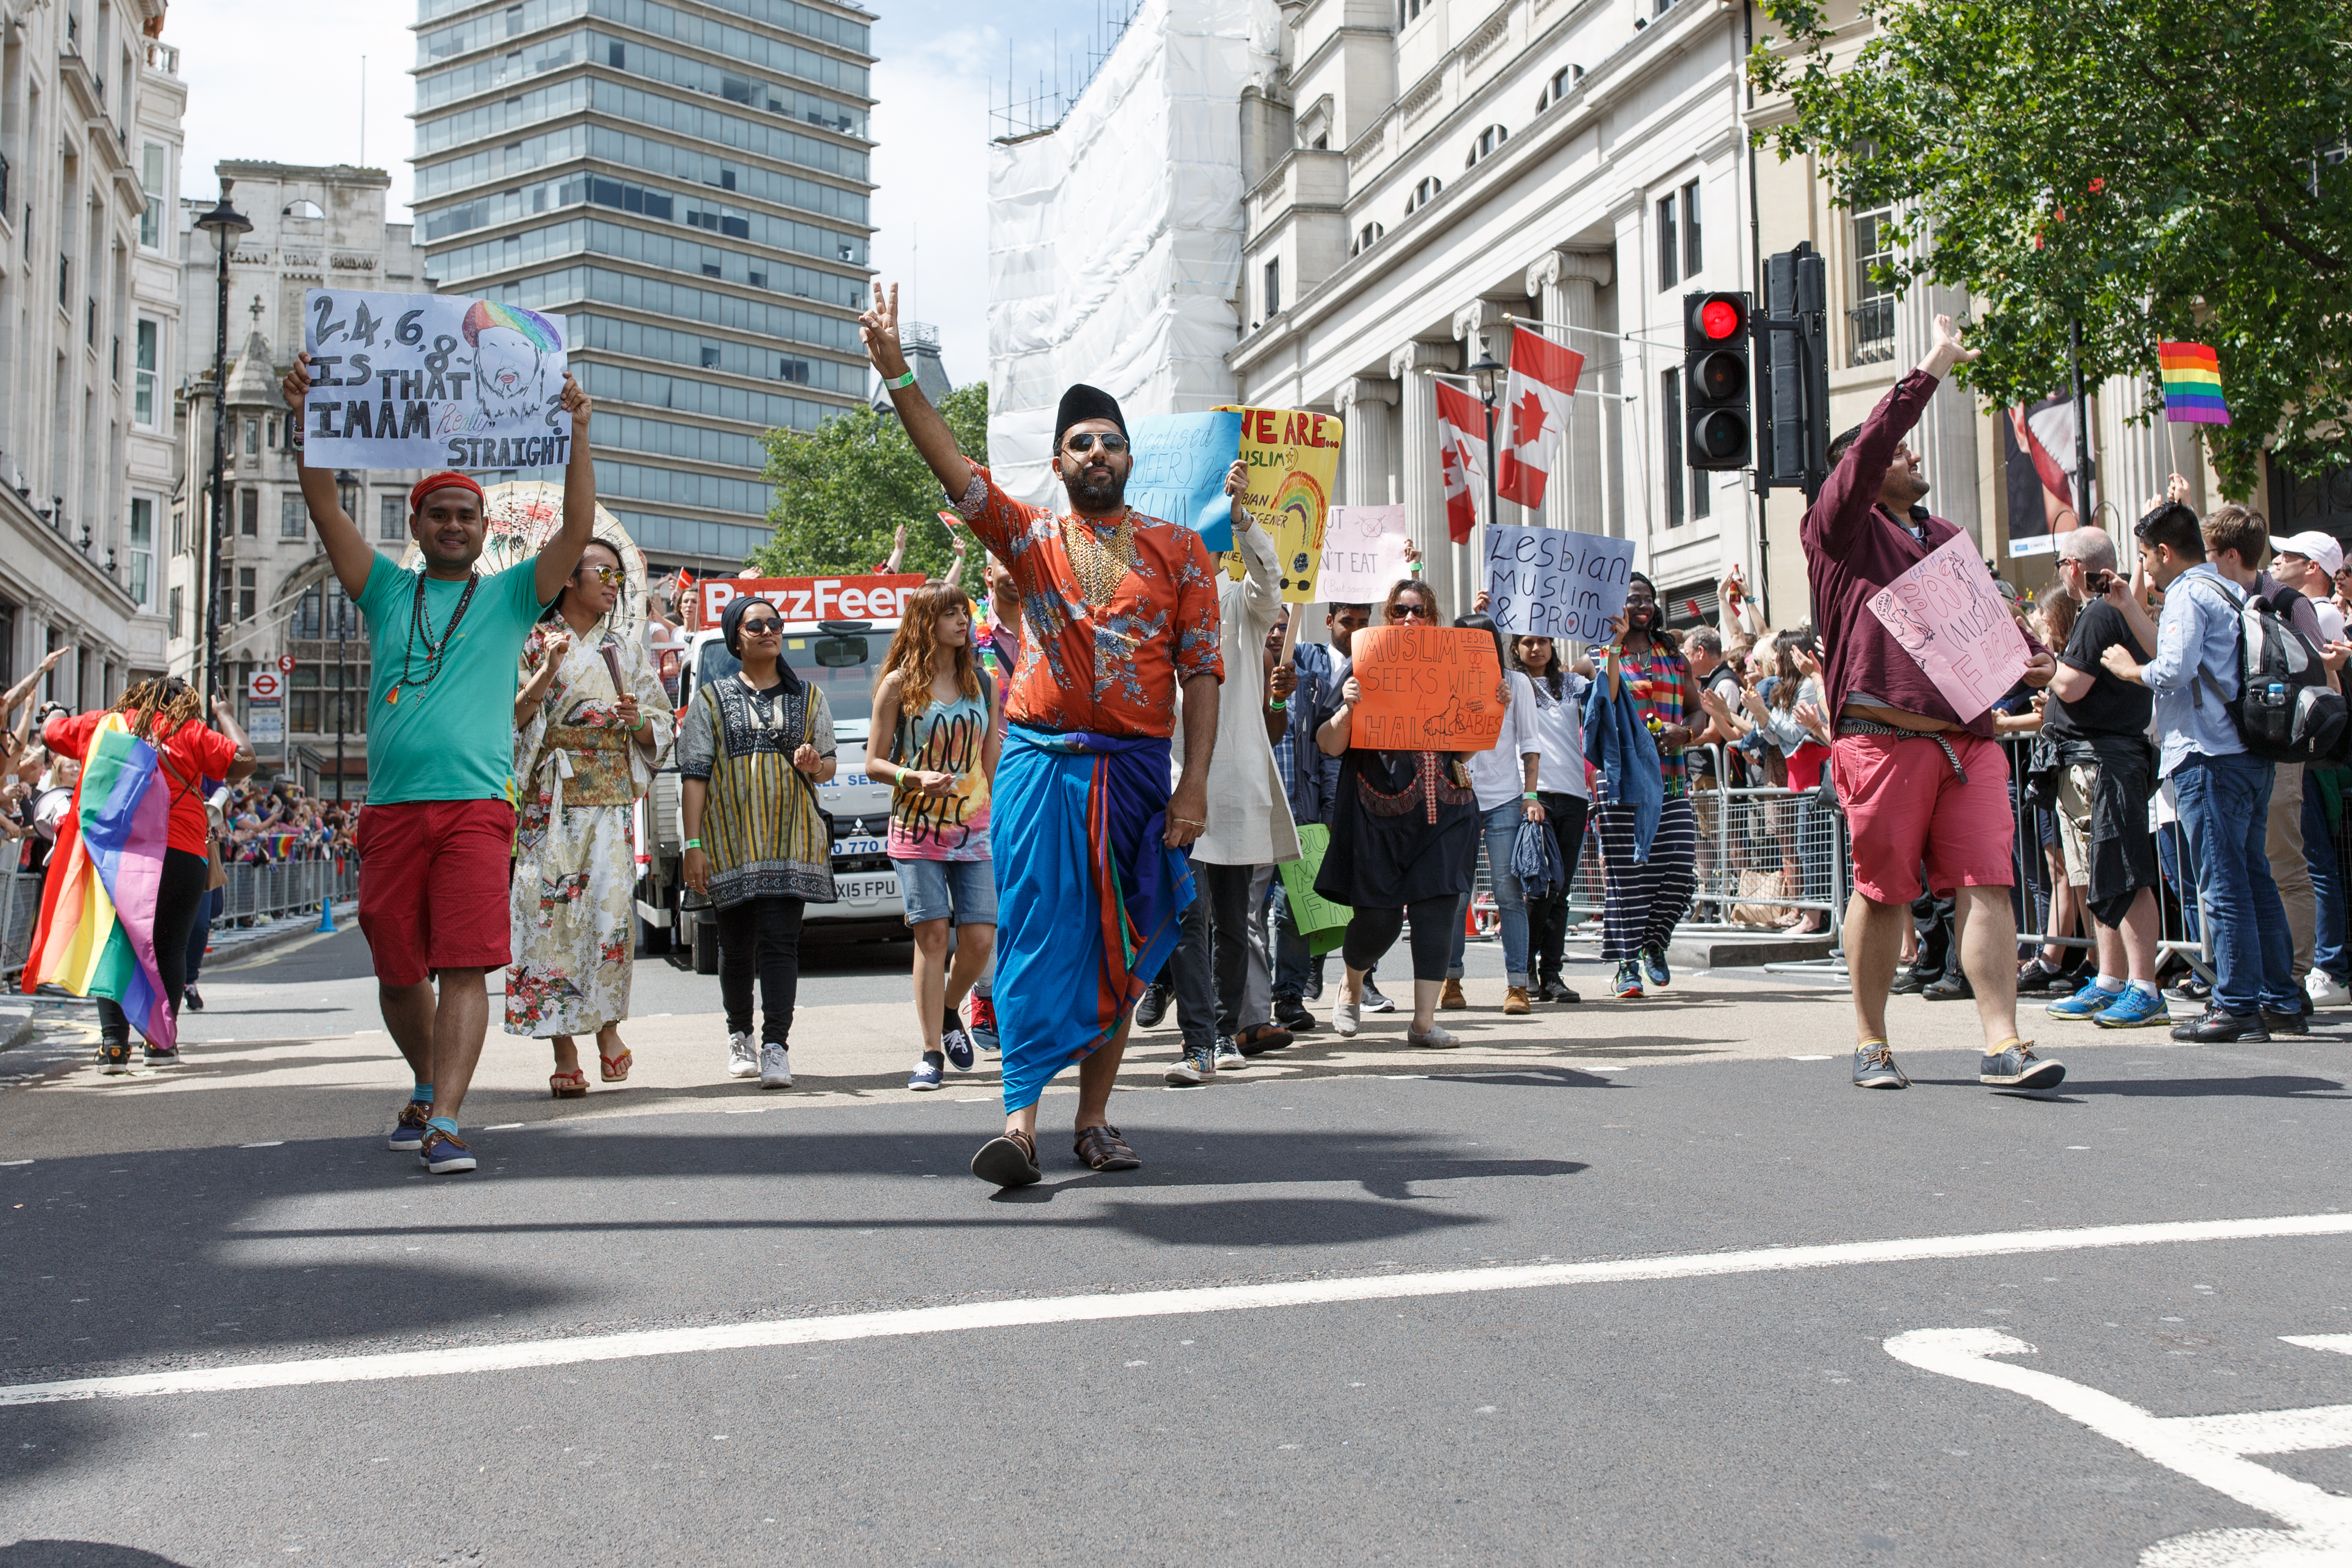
<point>859,889</point>
<point>857,846</point>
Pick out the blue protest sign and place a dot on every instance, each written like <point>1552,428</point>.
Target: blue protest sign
<point>1551,582</point>
<point>1180,472</point>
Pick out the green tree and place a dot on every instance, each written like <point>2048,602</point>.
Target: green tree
<point>842,488</point>
<point>2154,169</point>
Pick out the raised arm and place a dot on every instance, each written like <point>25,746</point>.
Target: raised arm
<point>559,556</point>
<point>22,692</point>
<point>924,427</point>
<point>347,548</point>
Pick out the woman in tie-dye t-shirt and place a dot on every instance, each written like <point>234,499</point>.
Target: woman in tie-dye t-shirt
<point>934,740</point>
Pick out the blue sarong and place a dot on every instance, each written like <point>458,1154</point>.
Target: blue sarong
<point>1088,894</point>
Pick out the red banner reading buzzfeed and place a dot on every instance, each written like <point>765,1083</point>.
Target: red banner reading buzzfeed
<point>1426,689</point>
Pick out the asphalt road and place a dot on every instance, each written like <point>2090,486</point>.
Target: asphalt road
<point>845,1349</point>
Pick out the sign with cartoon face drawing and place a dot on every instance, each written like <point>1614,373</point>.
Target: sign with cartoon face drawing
<point>432,381</point>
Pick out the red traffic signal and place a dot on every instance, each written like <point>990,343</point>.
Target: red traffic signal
<point>1718,318</point>
<point>1718,374</point>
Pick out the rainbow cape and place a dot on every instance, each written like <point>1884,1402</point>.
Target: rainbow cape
<point>2192,385</point>
<point>97,931</point>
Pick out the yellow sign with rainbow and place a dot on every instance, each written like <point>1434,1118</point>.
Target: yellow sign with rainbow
<point>1293,458</point>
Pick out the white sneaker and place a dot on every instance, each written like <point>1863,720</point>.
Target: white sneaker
<point>775,1068</point>
<point>2325,992</point>
<point>1346,1016</point>
<point>742,1055</point>
<point>1229,1056</point>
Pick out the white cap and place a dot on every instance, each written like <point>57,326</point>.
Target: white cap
<point>2313,546</point>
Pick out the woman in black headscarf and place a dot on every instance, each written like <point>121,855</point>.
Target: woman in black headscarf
<point>755,747</point>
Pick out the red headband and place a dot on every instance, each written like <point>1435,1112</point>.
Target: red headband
<point>445,481</point>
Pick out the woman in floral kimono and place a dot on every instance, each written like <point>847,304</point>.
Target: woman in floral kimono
<point>591,723</point>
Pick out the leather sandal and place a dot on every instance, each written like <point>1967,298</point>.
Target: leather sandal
<point>1102,1149</point>
<point>615,1070</point>
<point>567,1085</point>
<point>1008,1161</point>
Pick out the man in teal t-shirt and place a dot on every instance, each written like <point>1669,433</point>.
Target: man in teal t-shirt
<point>439,827</point>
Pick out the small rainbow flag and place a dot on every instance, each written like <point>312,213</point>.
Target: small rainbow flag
<point>2192,385</point>
<point>97,931</point>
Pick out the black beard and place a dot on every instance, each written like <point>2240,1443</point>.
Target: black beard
<point>1096,498</point>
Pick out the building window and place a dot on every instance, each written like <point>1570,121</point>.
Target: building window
<point>1409,9</point>
<point>252,437</point>
<point>1870,324</point>
<point>249,591</point>
<point>249,512</point>
<point>710,357</point>
<point>293,516</point>
<point>269,432</point>
<point>793,370</point>
<point>391,522</point>
<point>302,207</point>
<point>1691,254</point>
<point>1273,287</point>
<point>1670,245</point>
<point>1563,81</point>
<point>149,350</point>
<point>1670,400</point>
<point>152,172</point>
<point>1366,237</point>
<point>178,599</point>
<point>143,548</point>
<point>179,531</point>
<point>1423,194</point>
<point>1491,137</point>
<point>324,612</point>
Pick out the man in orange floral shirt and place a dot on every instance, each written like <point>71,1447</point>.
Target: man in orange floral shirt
<point>1089,842</point>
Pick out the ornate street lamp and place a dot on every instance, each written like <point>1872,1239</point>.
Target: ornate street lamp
<point>225,224</point>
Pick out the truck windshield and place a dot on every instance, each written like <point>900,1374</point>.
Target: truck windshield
<point>843,667</point>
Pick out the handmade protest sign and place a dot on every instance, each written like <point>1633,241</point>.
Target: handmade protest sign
<point>1554,583</point>
<point>1363,554</point>
<point>1322,924</point>
<point>1293,459</point>
<point>1180,472</point>
<point>1948,616</point>
<point>1425,688</point>
<point>431,380</point>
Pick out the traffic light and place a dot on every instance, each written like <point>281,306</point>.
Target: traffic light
<point>1793,431</point>
<point>1716,381</point>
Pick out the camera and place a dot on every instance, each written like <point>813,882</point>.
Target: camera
<point>2100,582</point>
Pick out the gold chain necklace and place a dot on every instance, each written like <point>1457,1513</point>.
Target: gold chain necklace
<point>1099,564</point>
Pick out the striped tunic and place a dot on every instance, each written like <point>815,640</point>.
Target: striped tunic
<point>760,831</point>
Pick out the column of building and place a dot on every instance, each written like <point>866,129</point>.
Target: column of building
<point>1421,480</point>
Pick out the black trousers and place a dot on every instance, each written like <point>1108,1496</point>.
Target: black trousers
<point>177,901</point>
<point>1548,918</point>
<point>761,936</point>
<point>1372,932</point>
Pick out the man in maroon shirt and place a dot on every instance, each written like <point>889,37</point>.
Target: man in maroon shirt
<point>1919,785</point>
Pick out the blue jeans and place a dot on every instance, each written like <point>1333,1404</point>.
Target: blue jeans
<point>2225,805</point>
<point>2326,885</point>
<point>1502,831</point>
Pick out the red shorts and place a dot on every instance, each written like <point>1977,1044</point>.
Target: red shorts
<point>433,886</point>
<point>1906,805</point>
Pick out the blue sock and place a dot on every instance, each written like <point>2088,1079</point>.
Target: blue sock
<point>447,1123</point>
<point>421,1094</point>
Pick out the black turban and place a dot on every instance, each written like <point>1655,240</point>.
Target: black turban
<point>1082,403</point>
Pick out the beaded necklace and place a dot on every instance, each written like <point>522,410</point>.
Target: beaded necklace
<point>419,624</point>
<point>1100,564</point>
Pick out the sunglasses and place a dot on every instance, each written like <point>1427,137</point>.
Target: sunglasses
<point>765,626</point>
<point>611,577</point>
<point>1084,443</point>
<point>1401,611</point>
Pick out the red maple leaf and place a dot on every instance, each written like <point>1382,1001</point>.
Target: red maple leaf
<point>1527,420</point>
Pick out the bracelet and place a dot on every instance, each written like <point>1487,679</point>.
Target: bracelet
<point>1413,567</point>
<point>1277,705</point>
<point>1533,795</point>
<point>693,844</point>
<point>901,382</point>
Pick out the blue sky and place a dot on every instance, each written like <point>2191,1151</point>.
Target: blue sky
<point>939,61</point>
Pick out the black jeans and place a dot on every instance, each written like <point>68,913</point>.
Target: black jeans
<point>1371,932</point>
<point>1190,975</point>
<point>200,930</point>
<point>182,894</point>
<point>1548,918</point>
<point>762,935</point>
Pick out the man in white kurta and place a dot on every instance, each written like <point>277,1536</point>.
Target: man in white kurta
<point>1250,830</point>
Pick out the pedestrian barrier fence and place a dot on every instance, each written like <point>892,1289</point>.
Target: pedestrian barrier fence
<point>253,894</point>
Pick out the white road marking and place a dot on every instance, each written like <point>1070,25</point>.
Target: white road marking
<point>2210,1450</point>
<point>1031,1311</point>
<point>272,1143</point>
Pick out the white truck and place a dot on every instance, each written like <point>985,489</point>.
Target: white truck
<point>836,631</point>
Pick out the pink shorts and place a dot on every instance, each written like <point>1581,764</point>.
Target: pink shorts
<point>1906,805</point>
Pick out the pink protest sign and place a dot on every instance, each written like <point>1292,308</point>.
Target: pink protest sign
<point>1947,615</point>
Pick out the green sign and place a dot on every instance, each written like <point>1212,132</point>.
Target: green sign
<point>1322,924</point>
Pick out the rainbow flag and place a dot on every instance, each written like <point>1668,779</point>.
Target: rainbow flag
<point>97,931</point>
<point>2192,385</point>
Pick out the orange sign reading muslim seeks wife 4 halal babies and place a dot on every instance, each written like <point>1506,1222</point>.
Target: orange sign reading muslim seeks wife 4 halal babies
<point>1425,688</point>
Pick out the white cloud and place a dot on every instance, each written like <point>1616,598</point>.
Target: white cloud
<point>930,168</point>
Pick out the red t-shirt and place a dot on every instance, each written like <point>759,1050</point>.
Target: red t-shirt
<point>195,753</point>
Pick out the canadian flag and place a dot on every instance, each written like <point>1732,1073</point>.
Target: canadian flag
<point>1542,380</point>
<point>1461,457</point>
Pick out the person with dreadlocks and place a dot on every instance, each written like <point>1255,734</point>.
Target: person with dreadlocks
<point>1642,707</point>
<point>934,740</point>
<point>168,715</point>
<point>436,834</point>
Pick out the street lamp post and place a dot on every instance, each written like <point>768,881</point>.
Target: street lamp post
<point>224,223</point>
<point>1484,373</point>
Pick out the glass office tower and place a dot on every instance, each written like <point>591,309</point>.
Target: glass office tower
<point>687,183</point>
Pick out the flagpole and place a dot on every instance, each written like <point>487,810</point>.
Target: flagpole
<point>1532,325</point>
<point>1468,385</point>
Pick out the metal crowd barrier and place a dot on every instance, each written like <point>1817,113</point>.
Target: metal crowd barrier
<point>254,893</point>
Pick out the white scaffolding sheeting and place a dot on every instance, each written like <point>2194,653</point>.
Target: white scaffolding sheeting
<point>1115,239</point>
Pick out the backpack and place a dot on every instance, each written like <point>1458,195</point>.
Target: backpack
<point>2283,711</point>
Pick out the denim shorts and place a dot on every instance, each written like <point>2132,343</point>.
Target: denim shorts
<point>938,889</point>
